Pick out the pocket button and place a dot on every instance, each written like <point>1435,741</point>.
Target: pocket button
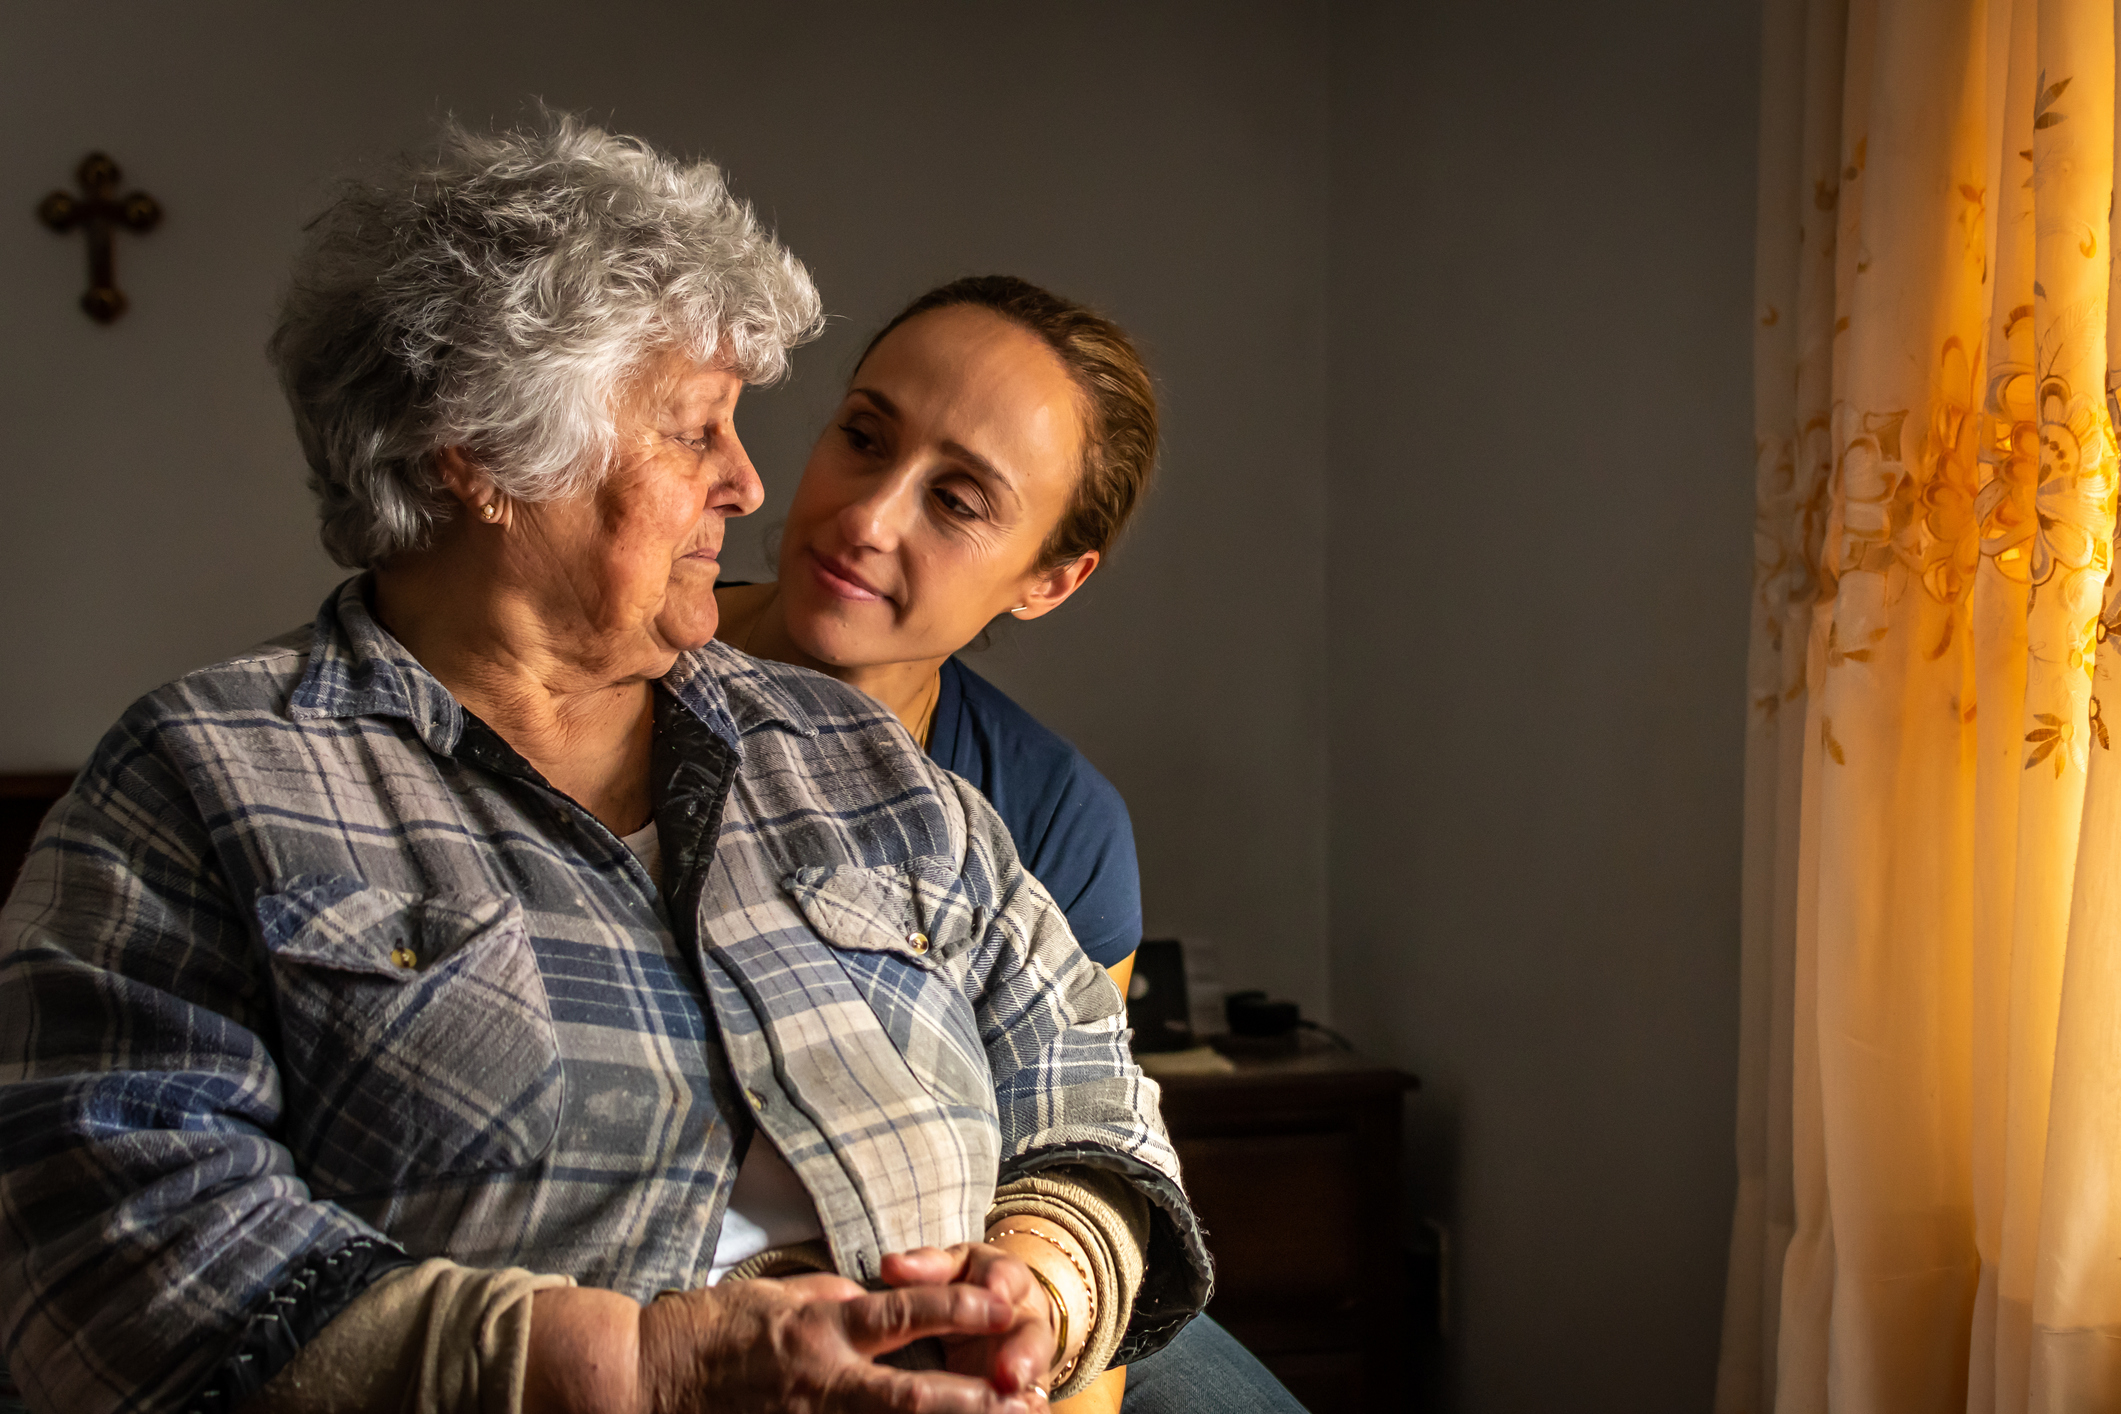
<point>919,941</point>
<point>405,957</point>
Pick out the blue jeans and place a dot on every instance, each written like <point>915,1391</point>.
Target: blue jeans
<point>1204,1371</point>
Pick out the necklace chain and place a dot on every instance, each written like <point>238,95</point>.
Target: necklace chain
<point>926,719</point>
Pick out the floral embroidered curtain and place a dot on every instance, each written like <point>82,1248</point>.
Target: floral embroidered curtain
<point>1929,1211</point>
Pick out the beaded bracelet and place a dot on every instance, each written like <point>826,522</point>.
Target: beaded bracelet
<point>1089,1294</point>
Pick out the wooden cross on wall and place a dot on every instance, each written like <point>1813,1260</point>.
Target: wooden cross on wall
<point>98,212</point>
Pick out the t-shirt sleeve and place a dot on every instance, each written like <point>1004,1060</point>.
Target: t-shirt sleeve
<point>1085,858</point>
<point>1069,823</point>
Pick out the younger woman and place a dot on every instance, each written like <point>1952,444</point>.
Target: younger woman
<point>992,443</point>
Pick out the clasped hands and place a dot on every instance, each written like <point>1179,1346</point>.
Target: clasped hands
<point>806,1343</point>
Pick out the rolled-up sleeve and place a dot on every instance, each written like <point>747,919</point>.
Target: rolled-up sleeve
<point>154,1239</point>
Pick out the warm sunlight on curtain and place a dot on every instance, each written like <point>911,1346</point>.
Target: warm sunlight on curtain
<point>1929,1214</point>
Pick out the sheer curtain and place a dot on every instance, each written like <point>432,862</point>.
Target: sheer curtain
<point>1929,1212</point>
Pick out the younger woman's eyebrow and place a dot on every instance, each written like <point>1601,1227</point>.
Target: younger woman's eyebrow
<point>987,469</point>
<point>884,405</point>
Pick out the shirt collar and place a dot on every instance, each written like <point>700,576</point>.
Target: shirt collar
<point>357,669</point>
<point>749,692</point>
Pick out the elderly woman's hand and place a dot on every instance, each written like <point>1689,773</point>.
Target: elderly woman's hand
<point>1019,1359</point>
<point>802,1344</point>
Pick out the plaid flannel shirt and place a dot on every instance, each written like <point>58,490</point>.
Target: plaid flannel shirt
<point>311,974</point>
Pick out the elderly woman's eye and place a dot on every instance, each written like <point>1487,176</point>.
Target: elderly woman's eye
<point>697,444</point>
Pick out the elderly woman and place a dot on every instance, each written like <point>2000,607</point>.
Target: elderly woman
<point>993,442</point>
<point>473,1000</point>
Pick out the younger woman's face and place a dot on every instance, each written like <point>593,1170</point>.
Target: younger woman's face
<point>923,508</point>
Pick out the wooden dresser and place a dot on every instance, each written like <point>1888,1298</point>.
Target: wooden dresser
<point>1292,1161</point>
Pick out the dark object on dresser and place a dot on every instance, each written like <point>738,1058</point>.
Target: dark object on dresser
<point>1156,998</point>
<point>24,802</point>
<point>1292,1162</point>
<point>1256,1015</point>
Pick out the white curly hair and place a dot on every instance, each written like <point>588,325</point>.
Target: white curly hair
<point>496,292</point>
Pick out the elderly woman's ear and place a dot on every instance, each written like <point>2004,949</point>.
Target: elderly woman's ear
<point>468,483</point>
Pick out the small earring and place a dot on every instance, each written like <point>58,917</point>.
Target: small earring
<point>491,511</point>
<point>1019,608</point>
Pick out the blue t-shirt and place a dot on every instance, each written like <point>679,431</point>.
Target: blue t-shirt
<point>1070,826</point>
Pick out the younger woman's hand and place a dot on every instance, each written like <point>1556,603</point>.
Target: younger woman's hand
<point>1017,1360</point>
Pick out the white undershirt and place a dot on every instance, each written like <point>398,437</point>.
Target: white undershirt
<point>647,846</point>
<point>769,1207</point>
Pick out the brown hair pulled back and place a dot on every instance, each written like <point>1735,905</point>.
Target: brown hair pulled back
<point>1120,403</point>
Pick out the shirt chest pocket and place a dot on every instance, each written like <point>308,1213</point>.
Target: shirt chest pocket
<point>900,933</point>
<point>416,1036</point>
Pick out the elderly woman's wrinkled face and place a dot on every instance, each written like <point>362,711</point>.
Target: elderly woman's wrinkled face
<point>926,502</point>
<point>631,566</point>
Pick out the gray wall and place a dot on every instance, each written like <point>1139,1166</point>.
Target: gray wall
<point>1423,673</point>
<point>153,496</point>
<point>1538,564</point>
